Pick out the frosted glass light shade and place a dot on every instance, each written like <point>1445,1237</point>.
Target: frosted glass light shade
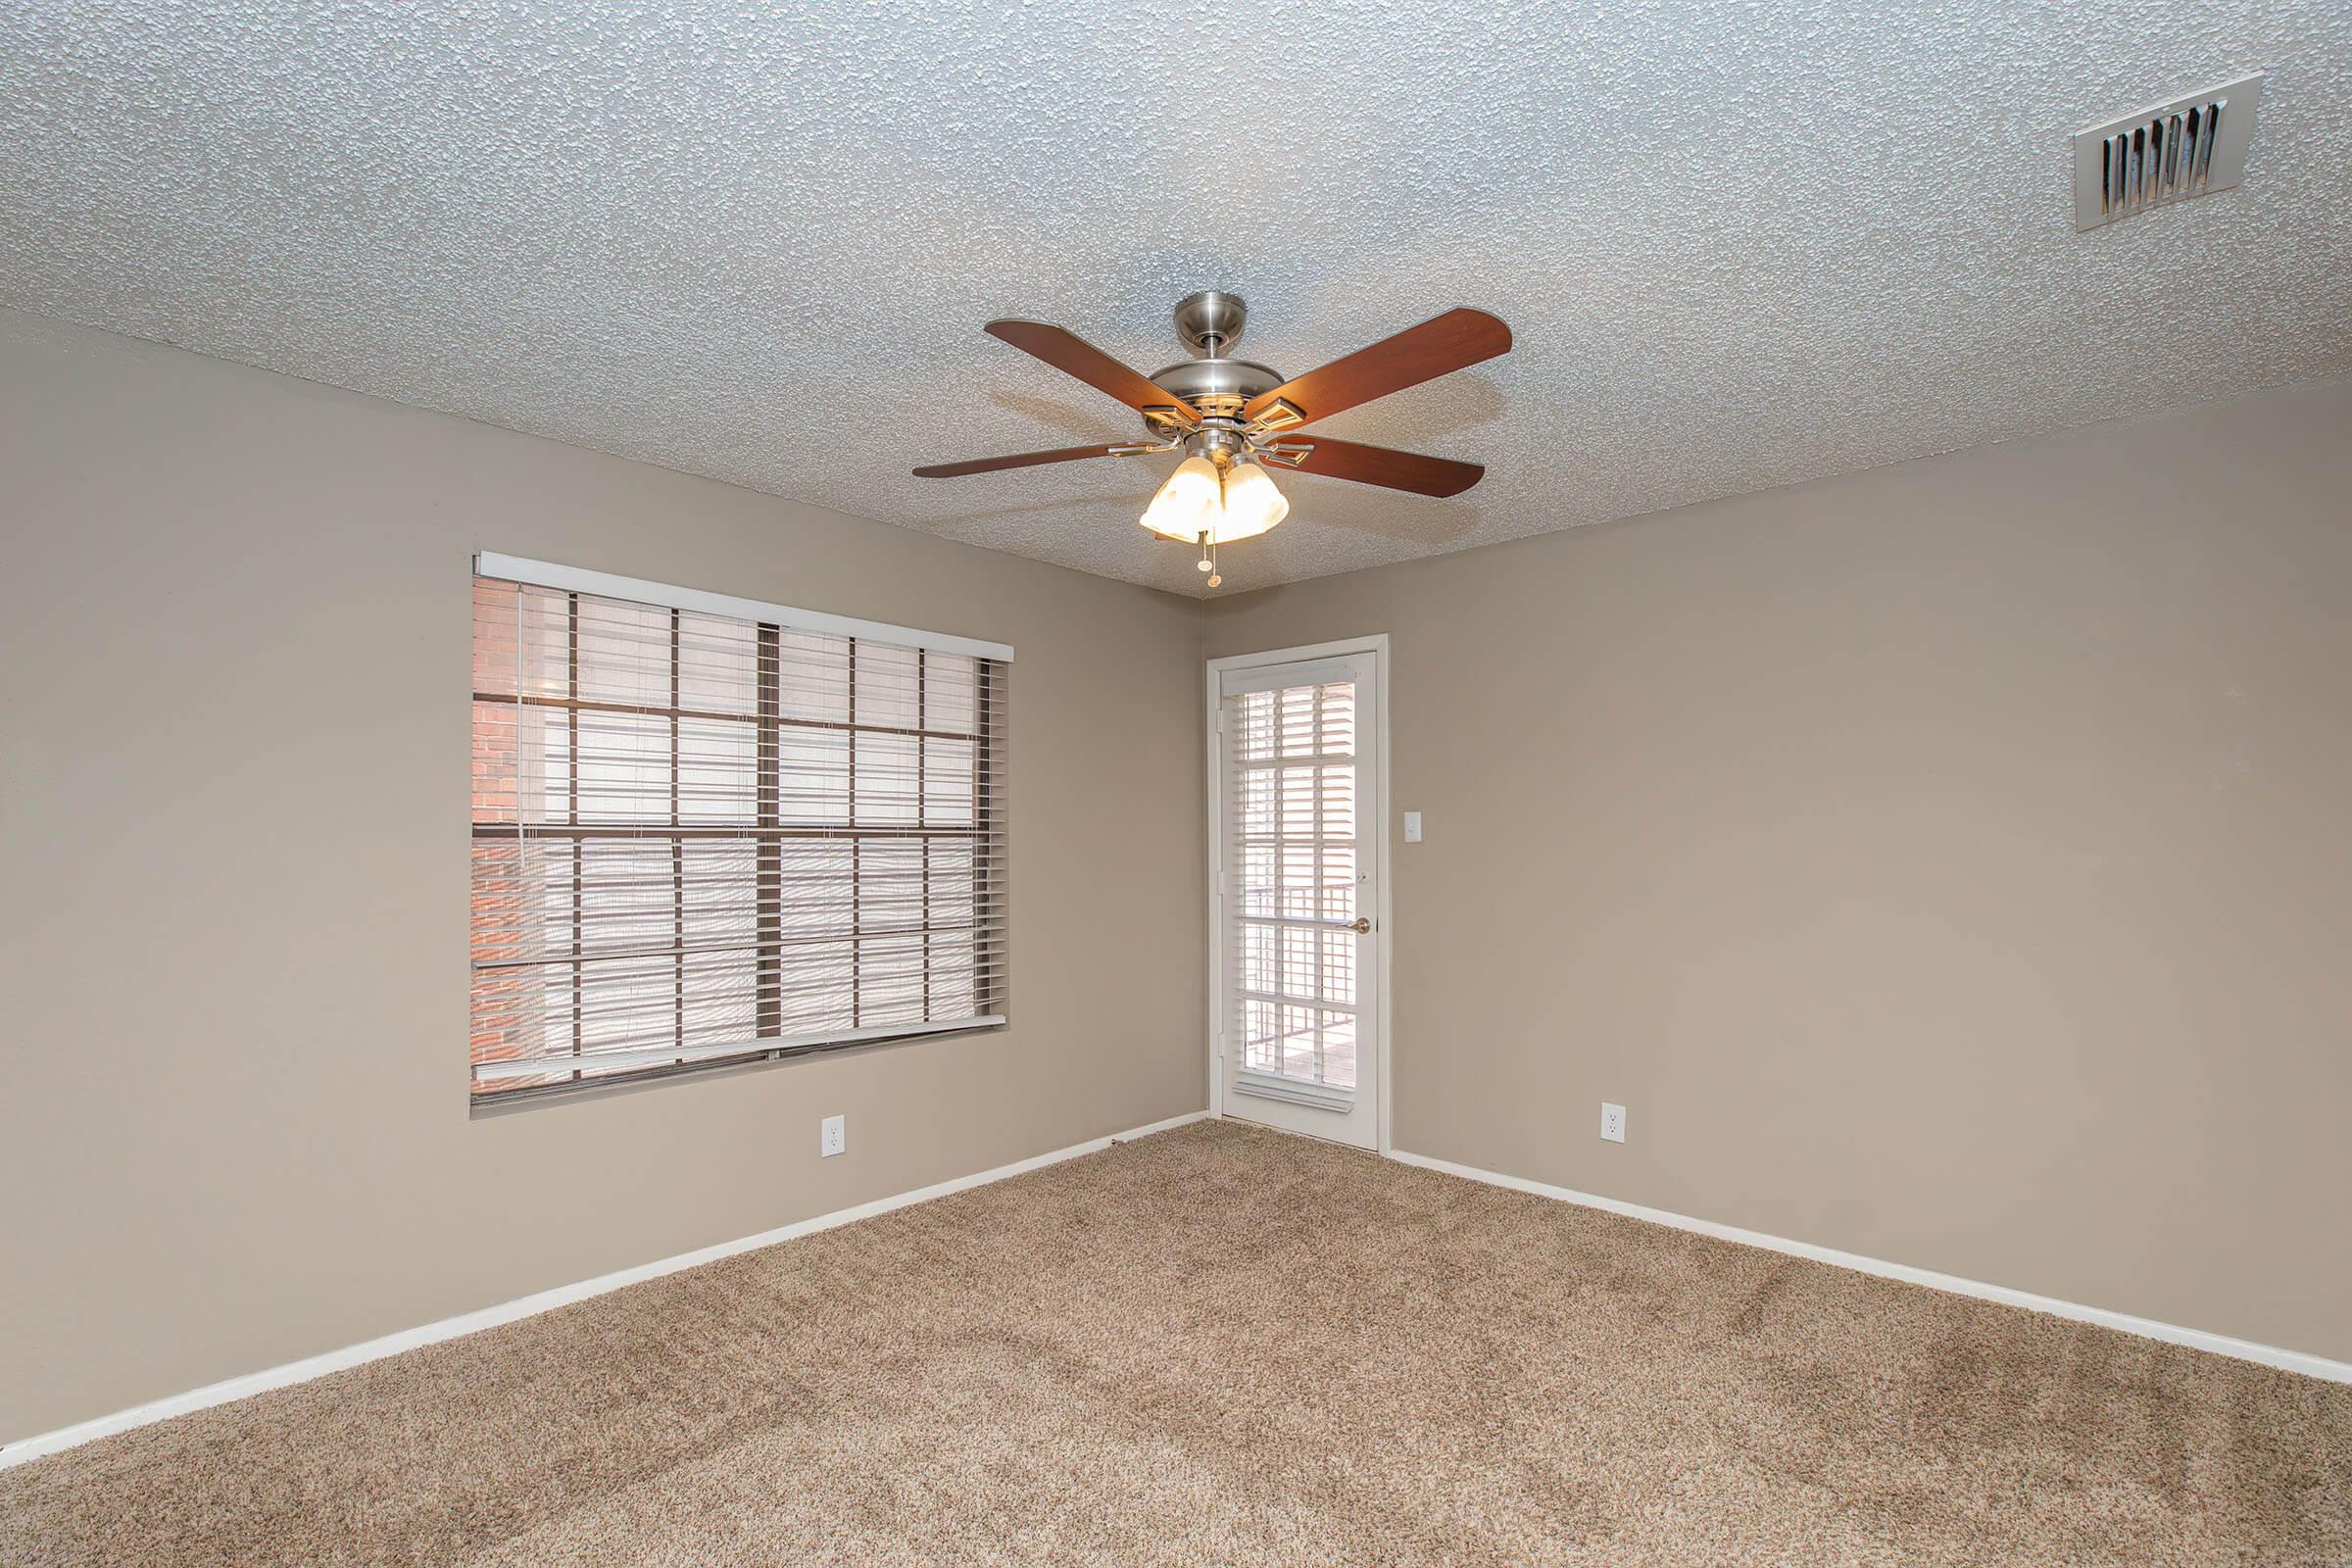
<point>1251,503</point>
<point>1186,503</point>
<point>1193,503</point>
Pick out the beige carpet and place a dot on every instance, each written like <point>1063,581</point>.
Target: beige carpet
<point>1218,1346</point>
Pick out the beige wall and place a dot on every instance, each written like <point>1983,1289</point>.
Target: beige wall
<point>234,616</point>
<point>1951,864</point>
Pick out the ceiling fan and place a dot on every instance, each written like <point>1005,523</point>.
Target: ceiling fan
<point>1231,418</point>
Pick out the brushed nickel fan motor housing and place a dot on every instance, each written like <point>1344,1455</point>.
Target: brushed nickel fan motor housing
<point>1212,382</point>
<point>1233,381</point>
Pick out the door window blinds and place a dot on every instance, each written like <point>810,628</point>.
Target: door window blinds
<point>706,830</point>
<point>1292,864</point>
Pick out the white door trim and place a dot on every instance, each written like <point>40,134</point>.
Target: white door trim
<point>1377,645</point>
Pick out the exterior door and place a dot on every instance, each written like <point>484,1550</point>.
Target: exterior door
<point>1296,871</point>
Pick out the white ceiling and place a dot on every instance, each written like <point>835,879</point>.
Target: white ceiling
<point>1740,244</point>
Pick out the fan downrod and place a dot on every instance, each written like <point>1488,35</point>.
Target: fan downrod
<point>1213,382</point>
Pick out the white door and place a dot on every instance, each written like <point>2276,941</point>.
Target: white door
<point>1294,748</point>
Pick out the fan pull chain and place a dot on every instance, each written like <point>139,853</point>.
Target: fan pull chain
<point>1209,559</point>
<point>1209,541</point>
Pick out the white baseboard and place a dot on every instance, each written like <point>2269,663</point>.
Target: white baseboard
<point>2313,1366</point>
<point>308,1367</point>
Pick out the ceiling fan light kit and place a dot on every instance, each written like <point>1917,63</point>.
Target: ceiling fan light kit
<point>1231,418</point>
<point>1207,505</point>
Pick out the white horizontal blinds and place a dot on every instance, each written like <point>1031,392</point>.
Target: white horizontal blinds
<point>698,837</point>
<point>1293,857</point>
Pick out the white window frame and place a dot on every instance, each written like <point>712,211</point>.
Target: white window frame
<point>668,596</point>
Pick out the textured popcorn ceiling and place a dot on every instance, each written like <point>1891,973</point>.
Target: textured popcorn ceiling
<point>1740,245</point>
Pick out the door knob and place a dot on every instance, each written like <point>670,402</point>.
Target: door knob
<point>1362,925</point>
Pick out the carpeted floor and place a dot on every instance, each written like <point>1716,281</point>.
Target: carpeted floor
<point>1224,1347</point>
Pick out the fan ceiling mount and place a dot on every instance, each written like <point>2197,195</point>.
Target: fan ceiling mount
<point>1232,417</point>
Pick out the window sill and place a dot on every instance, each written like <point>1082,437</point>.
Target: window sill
<point>482,1106</point>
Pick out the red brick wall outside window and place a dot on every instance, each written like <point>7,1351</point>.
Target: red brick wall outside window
<point>693,833</point>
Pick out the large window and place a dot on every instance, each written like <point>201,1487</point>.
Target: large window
<point>707,831</point>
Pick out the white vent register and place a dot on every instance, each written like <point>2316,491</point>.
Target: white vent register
<point>2189,146</point>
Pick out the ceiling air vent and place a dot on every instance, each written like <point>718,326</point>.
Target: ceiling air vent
<point>2191,146</point>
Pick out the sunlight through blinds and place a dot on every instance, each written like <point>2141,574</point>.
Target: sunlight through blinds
<point>699,838</point>
<point>1294,863</point>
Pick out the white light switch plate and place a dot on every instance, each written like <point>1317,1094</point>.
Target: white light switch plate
<point>832,1136</point>
<point>1612,1122</point>
<point>1412,827</point>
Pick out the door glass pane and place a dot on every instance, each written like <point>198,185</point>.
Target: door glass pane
<point>1291,824</point>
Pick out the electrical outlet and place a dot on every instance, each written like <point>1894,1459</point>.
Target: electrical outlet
<point>832,1136</point>
<point>1612,1122</point>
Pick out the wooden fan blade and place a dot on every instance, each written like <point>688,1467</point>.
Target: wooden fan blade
<point>1381,466</point>
<point>1073,355</point>
<point>1451,342</point>
<point>1020,459</point>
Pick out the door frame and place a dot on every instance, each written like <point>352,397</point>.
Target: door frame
<point>1376,773</point>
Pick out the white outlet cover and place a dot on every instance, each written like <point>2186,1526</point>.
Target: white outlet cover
<point>1412,827</point>
<point>1612,1122</point>
<point>832,1136</point>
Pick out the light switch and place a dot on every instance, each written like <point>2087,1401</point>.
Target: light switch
<point>1412,827</point>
